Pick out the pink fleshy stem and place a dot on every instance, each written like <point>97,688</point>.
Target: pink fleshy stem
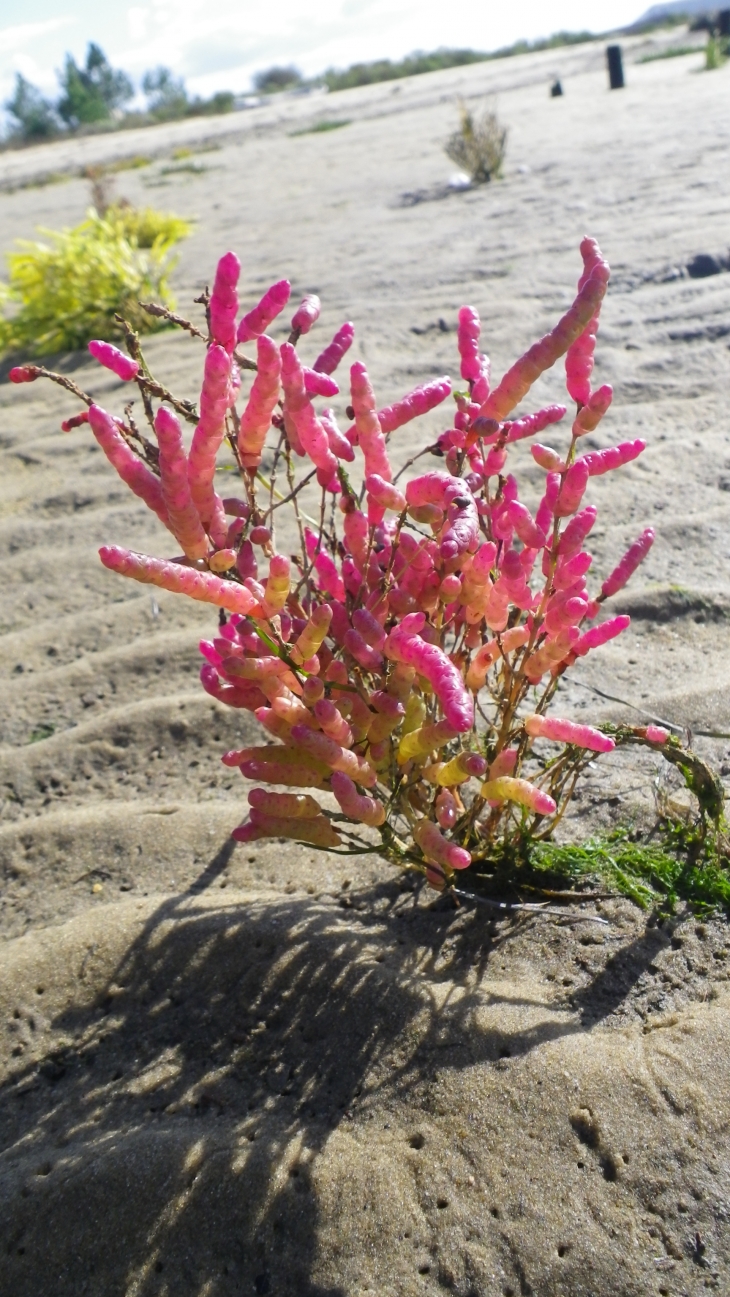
<point>571,541</point>
<point>265,312</point>
<point>384,493</point>
<point>592,413</point>
<point>275,755</point>
<point>466,765</point>
<point>368,658</point>
<point>416,403</point>
<point>223,304</point>
<point>114,359</point>
<point>245,696</point>
<point>207,438</point>
<point>338,443</point>
<point>276,590</point>
<point>445,679</point>
<point>598,635</point>
<point>437,849</point>
<point>333,755</point>
<point>316,384</point>
<point>527,530</point>
<point>447,810</point>
<point>184,518</point>
<point>370,434</point>
<point>312,637</point>
<point>328,360</point>
<point>628,565</point>
<point>299,410</point>
<point>306,315</point>
<point>318,832</point>
<point>603,461</point>
<point>547,458</point>
<point>564,731</point>
<point>572,489</point>
<point>300,776</point>
<point>264,394</point>
<point>519,379</point>
<point>131,469</point>
<point>474,366</point>
<point>579,363</point>
<point>289,806</point>
<point>333,723</point>
<point>508,789</point>
<point>429,488</point>
<point>357,806</point>
<point>180,580</point>
<point>530,424</point>
<point>429,738</point>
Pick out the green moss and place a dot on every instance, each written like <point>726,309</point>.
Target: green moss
<point>678,862</point>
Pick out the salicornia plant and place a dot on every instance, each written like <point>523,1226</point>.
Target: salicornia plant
<point>404,658</point>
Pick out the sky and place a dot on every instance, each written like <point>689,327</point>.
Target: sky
<point>218,46</point>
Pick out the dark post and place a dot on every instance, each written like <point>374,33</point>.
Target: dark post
<point>556,89</point>
<point>723,22</point>
<point>615,67</point>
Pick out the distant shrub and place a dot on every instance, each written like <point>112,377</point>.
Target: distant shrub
<point>66,290</point>
<point>223,101</point>
<point>272,81</point>
<point>167,97</point>
<point>479,145</point>
<point>364,74</point>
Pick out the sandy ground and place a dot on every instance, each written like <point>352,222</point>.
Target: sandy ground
<point>317,1084</point>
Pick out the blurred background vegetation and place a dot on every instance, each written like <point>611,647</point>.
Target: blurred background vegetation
<point>97,97</point>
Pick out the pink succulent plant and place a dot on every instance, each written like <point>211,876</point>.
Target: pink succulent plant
<point>389,661</point>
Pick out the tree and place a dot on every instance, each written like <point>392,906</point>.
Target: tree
<point>271,80</point>
<point>34,115</point>
<point>91,94</point>
<point>166,97</point>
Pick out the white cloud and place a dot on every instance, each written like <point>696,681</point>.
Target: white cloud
<point>14,38</point>
<point>137,20</point>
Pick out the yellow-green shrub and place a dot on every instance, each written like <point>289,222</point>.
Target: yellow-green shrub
<point>67,289</point>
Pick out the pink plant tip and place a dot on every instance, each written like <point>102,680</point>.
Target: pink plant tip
<point>24,373</point>
<point>306,314</point>
<point>114,359</point>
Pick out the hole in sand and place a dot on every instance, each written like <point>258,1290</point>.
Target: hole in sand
<point>417,1141</point>
<point>424,1269</point>
<point>442,1203</point>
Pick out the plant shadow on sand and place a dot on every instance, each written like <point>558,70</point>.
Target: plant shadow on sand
<point>195,1091</point>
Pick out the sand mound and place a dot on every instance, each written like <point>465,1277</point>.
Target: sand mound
<point>263,1070</point>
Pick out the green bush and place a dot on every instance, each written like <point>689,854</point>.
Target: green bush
<point>66,290</point>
